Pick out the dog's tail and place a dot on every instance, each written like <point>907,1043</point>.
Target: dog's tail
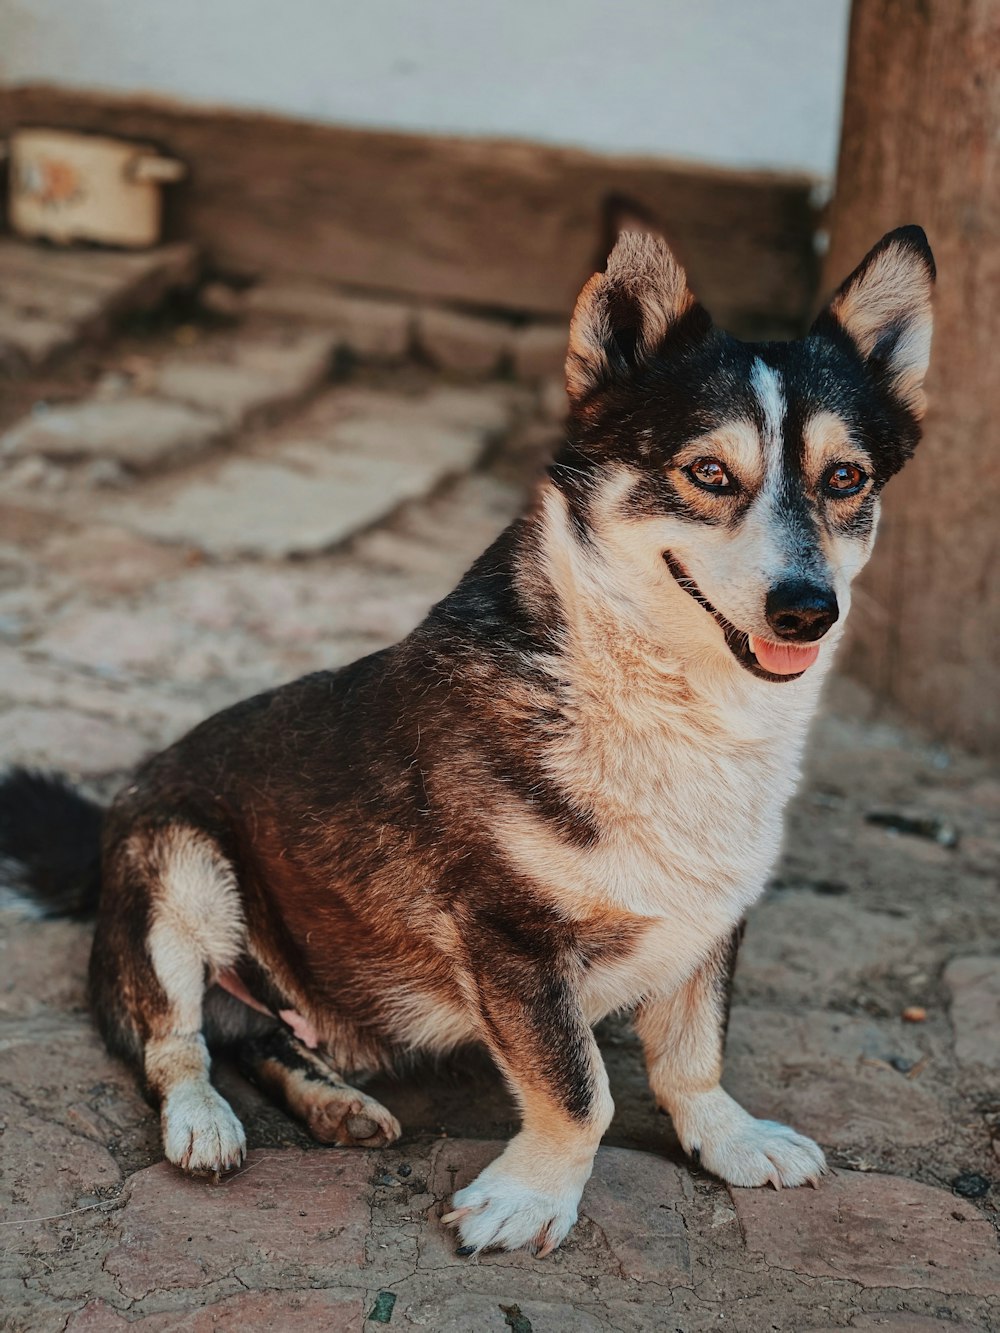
<point>50,844</point>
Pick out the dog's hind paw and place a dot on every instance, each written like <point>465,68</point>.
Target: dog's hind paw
<point>201,1133</point>
<point>350,1119</point>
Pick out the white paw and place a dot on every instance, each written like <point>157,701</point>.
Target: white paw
<point>499,1211</point>
<point>201,1133</point>
<point>742,1150</point>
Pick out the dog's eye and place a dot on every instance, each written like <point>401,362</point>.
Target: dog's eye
<point>844,479</point>
<point>709,474</point>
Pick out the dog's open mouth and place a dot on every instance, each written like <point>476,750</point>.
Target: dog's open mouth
<point>770,661</point>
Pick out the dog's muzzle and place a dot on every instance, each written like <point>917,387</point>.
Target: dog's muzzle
<point>742,645</point>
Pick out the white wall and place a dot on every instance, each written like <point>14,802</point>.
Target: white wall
<point>752,83</point>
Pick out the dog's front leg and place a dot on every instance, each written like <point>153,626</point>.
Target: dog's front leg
<point>683,1036</point>
<point>528,1197</point>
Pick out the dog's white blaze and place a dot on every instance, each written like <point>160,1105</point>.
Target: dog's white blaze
<point>768,390</point>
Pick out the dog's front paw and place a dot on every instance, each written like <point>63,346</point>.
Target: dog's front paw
<point>499,1211</point>
<point>742,1150</point>
<point>763,1152</point>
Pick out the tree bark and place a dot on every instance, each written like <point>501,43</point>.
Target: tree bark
<point>921,143</point>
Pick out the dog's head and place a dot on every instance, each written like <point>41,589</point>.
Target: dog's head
<point>747,475</point>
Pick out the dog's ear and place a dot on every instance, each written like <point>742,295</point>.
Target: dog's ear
<point>885,309</point>
<point>624,314</point>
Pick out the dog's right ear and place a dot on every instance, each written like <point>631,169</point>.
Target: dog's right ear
<point>624,314</point>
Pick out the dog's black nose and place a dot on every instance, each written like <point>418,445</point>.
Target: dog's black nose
<point>800,611</point>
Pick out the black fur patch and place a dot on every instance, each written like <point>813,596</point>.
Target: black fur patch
<point>282,1048</point>
<point>700,379</point>
<point>50,842</point>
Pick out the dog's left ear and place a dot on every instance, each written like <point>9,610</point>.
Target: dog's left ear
<point>624,314</point>
<point>885,309</point>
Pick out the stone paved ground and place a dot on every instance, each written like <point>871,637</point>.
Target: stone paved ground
<point>217,502</point>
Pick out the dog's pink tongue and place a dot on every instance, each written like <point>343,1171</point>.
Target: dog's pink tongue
<point>783,659</point>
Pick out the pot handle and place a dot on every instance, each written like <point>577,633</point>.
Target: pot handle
<point>160,170</point>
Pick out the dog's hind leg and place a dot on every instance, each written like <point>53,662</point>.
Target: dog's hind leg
<point>170,917</point>
<point>312,1092</point>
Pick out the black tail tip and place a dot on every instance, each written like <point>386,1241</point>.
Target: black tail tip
<point>50,843</point>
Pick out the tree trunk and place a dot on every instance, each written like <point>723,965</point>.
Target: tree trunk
<point>921,143</point>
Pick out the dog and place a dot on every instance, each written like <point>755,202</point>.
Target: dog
<point>555,799</point>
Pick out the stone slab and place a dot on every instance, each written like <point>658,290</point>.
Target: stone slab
<point>30,339</point>
<point>379,330</point>
<point>35,685</point>
<point>799,945</point>
<point>249,1312</point>
<point>829,1075</point>
<point>240,377</point>
<point>81,744</point>
<point>902,1323</point>
<point>114,642</point>
<point>880,1231</point>
<point>538,351</point>
<point>112,561</point>
<point>490,409</point>
<point>85,267</point>
<point>468,1312</point>
<point>287,1212</point>
<point>140,433</point>
<point>463,343</point>
<point>305,496</point>
<point>636,1200</point>
<point>51,299</point>
<point>63,1100</point>
<point>974,986</point>
<point>29,985</point>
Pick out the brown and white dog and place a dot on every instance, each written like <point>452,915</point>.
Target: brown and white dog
<point>556,798</point>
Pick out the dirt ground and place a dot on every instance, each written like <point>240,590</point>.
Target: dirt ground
<point>210,506</point>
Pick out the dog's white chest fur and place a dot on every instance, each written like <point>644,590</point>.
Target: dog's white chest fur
<point>688,797</point>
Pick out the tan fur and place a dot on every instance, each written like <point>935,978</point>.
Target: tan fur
<point>426,1022</point>
<point>737,445</point>
<point>682,1038</point>
<point>894,289</point>
<point>640,269</point>
<point>827,440</point>
<point>331,1110</point>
